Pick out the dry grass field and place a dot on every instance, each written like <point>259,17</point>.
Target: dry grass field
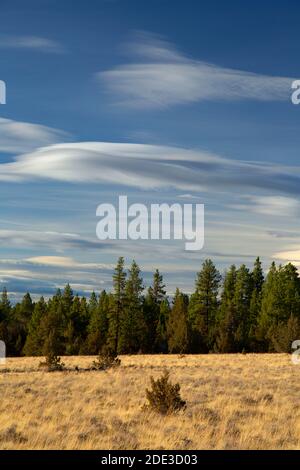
<point>233,402</point>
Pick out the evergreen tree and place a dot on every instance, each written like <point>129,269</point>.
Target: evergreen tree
<point>152,306</point>
<point>204,306</point>
<point>280,301</point>
<point>242,297</point>
<point>227,317</point>
<point>52,329</point>
<point>161,337</point>
<point>227,296</point>
<point>177,327</point>
<point>5,306</point>
<point>268,306</point>
<point>72,330</point>
<point>226,339</point>
<point>19,323</point>
<point>34,341</point>
<point>283,334</point>
<point>132,325</point>
<point>98,325</point>
<point>255,302</point>
<point>93,304</point>
<point>116,307</point>
<point>67,299</point>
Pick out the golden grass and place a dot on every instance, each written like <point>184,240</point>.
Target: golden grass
<point>233,402</point>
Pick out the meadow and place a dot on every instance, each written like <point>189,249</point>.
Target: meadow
<point>237,401</point>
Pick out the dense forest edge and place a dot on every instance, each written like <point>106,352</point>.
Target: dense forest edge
<point>241,312</point>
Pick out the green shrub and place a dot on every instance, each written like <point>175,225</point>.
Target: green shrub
<point>164,397</point>
<point>106,360</point>
<point>53,363</point>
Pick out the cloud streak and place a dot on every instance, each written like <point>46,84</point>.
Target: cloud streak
<point>149,167</point>
<point>35,43</point>
<point>278,206</point>
<point>164,77</point>
<point>20,137</point>
<point>54,240</point>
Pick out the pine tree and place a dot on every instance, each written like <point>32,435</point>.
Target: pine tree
<point>19,323</point>
<point>290,292</point>
<point>132,325</point>
<point>227,296</point>
<point>255,302</point>
<point>242,297</point>
<point>52,329</point>
<point>67,299</point>
<point>283,334</point>
<point>71,333</point>
<point>226,338</point>
<point>116,307</point>
<point>161,337</point>
<point>155,296</point>
<point>227,316</point>
<point>93,304</point>
<point>281,301</point>
<point>177,327</point>
<point>34,341</point>
<point>204,307</point>
<point>5,306</point>
<point>98,325</point>
<point>268,306</point>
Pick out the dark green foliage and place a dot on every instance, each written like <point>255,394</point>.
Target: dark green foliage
<point>155,317</point>
<point>34,341</point>
<point>282,335</point>
<point>177,327</point>
<point>106,360</point>
<point>116,306</point>
<point>52,363</point>
<point>98,326</point>
<point>203,307</point>
<point>164,397</point>
<point>5,306</point>
<point>246,313</point>
<point>161,336</point>
<point>132,323</point>
<point>241,300</point>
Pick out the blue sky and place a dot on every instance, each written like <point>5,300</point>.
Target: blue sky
<point>165,101</point>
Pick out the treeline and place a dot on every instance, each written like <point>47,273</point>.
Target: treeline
<point>243,312</point>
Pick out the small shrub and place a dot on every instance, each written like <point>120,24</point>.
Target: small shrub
<point>106,360</point>
<point>53,363</point>
<point>164,397</point>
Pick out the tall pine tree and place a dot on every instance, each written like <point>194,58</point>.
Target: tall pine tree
<point>116,307</point>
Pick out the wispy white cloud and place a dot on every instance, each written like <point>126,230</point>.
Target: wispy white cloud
<point>278,206</point>
<point>32,43</point>
<point>56,241</point>
<point>65,262</point>
<point>188,196</point>
<point>150,167</point>
<point>162,77</point>
<point>20,137</point>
